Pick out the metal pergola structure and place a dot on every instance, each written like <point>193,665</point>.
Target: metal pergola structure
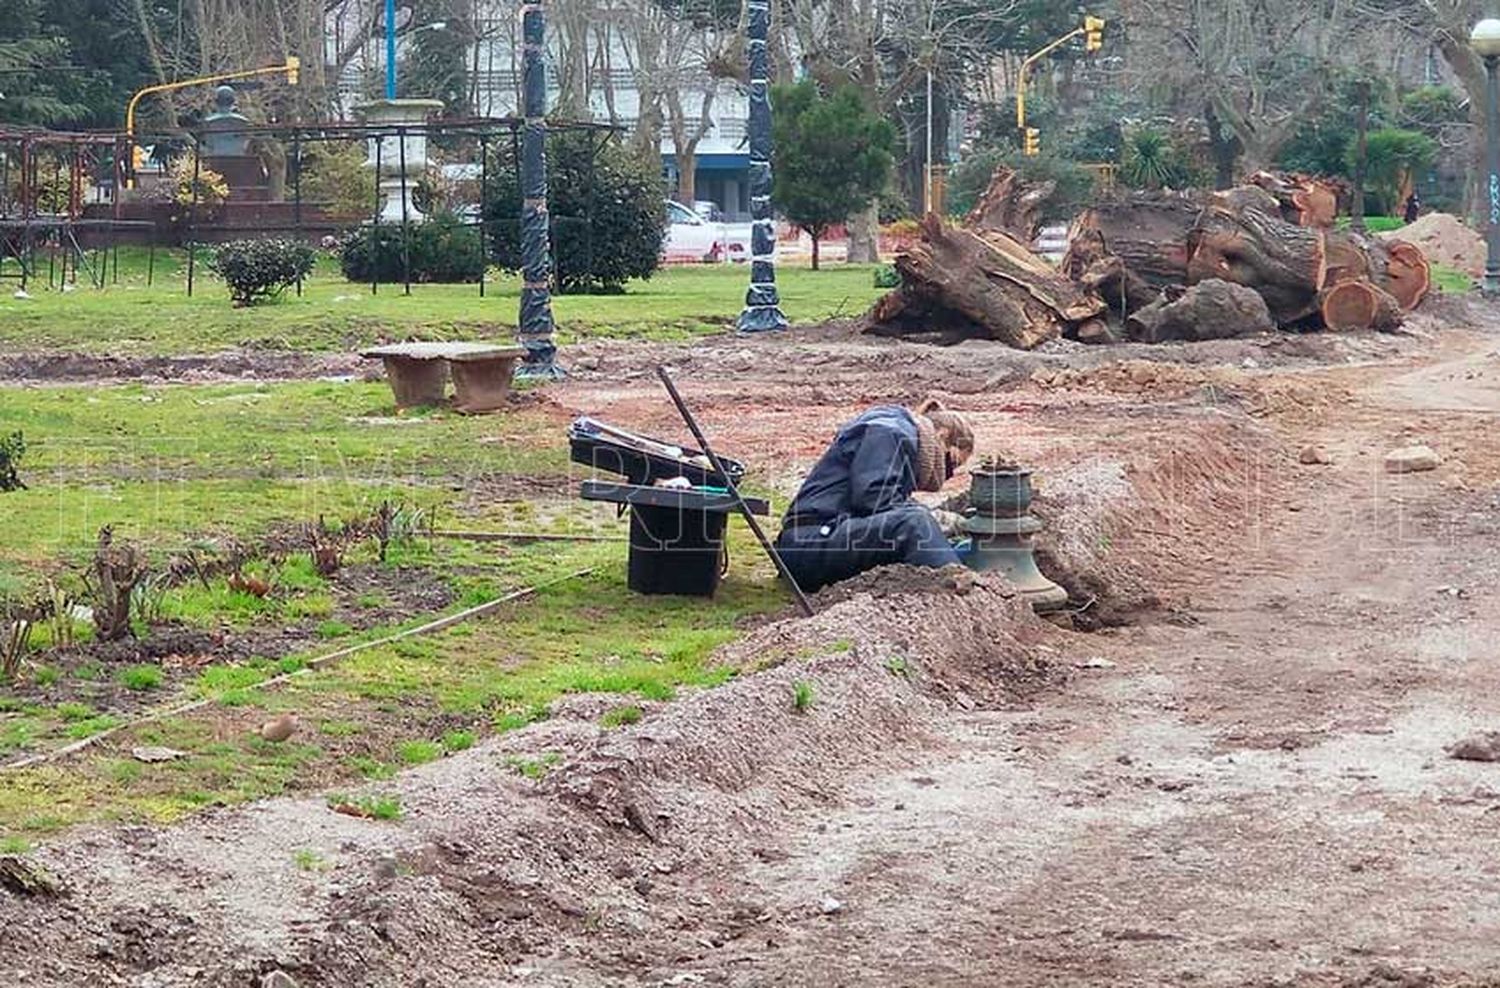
<point>28,232</point>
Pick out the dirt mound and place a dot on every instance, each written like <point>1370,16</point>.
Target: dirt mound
<point>597,866</point>
<point>1445,240</point>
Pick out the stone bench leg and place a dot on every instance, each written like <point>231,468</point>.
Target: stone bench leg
<point>481,385</point>
<point>416,383</point>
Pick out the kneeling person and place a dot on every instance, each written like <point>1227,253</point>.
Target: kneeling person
<point>855,511</point>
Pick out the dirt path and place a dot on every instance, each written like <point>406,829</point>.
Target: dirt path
<point>1261,796</point>
<point>1251,793</point>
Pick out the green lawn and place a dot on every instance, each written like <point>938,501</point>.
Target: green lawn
<point>333,314</point>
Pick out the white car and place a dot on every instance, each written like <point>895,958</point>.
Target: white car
<point>690,238</point>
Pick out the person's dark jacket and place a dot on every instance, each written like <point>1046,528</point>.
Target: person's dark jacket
<point>871,467</point>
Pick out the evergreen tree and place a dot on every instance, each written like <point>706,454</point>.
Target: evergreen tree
<point>832,156</point>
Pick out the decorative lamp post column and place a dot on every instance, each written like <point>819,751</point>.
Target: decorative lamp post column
<point>535,323</point>
<point>1485,40</point>
<point>762,310</point>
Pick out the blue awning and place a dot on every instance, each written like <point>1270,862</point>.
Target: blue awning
<point>715,162</point>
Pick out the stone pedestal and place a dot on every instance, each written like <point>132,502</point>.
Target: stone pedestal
<point>245,174</point>
<point>392,147</point>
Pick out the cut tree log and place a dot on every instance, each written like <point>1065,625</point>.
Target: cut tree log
<point>1148,231</point>
<point>1397,267</point>
<point>1011,206</point>
<point>1210,310</point>
<point>1353,305</point>
<point>1303,199</point>
<point>983,284</point>
<point>1239,241</point>
<point>1408,276</point>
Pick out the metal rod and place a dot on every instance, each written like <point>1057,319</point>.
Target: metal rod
<point>1492,186</point>
<point>525,537</point>
<point>375,223</point>
<point>297,197</point>
<point>193,214</point>
<point>484,184</point>
<point>734,491</point>
<point>405,217</point>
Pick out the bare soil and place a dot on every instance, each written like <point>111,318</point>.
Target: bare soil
<point>1254,792</point>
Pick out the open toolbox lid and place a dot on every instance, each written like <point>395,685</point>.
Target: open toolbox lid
<point>641,459</point>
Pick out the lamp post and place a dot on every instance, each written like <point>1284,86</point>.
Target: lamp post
<point>535,326</point>
<point>1485,40</point>
<point>762,310</point>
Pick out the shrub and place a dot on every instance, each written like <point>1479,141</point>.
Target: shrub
<point>334,176</point>
<point>1393,156</point>
<point>1151,160</point>
<point>12,448</point>
<point>608,213</point>
<point>260,269</point>
<point>886,276</point>
<point>443,250</point>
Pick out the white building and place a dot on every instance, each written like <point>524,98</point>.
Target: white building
<point>494,69</point>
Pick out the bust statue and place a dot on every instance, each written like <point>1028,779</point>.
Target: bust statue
<point>224,129</point>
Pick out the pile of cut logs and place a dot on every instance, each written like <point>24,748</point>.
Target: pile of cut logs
<point>1152,267</point>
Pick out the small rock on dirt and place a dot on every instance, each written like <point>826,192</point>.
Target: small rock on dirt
<point>1481,747</point>
<point>1094,662</point>
<point>1313,455</point>
<point>1412,459</point>
<point>278,979</point>
<point>149,753</point>
<point>831,905</point>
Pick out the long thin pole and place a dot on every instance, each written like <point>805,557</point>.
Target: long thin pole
<point>1492,262</point>
<point>762,310</point>
<point>535,326</point>
<point>734,491</point>
<point>927,161</point>
<point>390,49</point>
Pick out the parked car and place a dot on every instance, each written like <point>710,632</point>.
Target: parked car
<point>690,238</point>
<point>693,239</point>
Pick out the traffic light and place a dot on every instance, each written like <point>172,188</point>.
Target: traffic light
<point>294,69</point>
<point>1093,33</point>
<point>1033,145</point>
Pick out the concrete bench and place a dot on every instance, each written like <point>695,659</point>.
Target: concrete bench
<point>418,373</point>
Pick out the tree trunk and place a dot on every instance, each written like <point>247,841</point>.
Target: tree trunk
<point>1148,231</point>
<point>1397,268</point>
<point>1240,241</point>
<point>1011,206</point>
<point>686,154</point>
<point>864,235</point>
<point>815,241</point>
<point>963,283</point>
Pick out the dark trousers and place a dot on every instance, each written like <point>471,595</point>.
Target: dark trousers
<point>908,534</point>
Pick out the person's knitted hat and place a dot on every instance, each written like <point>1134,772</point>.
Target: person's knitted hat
<point>944,443</point>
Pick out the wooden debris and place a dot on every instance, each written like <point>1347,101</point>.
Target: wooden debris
<point>1210,310</point>
<point>987,280</point>
<point>1011,206</point>
<point>28,878</point>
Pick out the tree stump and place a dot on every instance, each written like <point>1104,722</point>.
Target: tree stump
<point>1210,310</point>
<point>1238,241</point>
<point>1010,206</point>
<point>984,281</point>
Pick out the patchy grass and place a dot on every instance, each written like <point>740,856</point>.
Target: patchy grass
<point>306,859</point>
<point>458,741</point>
<point>419,752</point>
<point>1374,224</point>
<point>802,696</point>
<point>534,768</point>
<point>141,677</point>
<point>1451,280</point>
<point>620,716</point>
<point>166,464</point>
<point>371,807</point>
<point>332,314</point>
<point>490,675</point>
